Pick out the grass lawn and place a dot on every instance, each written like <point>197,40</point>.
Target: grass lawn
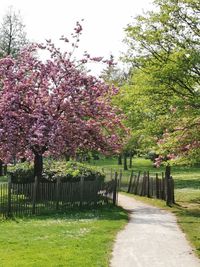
<point>85,238</point>
<point>187,193</point>
<point>77,238</point>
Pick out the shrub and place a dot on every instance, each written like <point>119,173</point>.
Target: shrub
<point>22,173</point>
<point>70,171</point>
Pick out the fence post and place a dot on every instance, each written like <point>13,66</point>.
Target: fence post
<point>57,192</point>
<point>144,185</point>
<point>163,195</point>
<point>96,187</point>
<point>115,190</point>
<point>120,178</point>
<point>157,186</point>
<point>81,191</point>
<point>141,186</point>
<point>172,190</point>
<point>34,194</point>
<point>148,185</point>
<point>133,183</point>
<point>9,196</point>
<point>152,187</point>
<point>130,182</point>
<point>168,186</point>
<point>137,184</point>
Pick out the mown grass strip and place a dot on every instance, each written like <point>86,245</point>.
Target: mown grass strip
<point>76,238</point>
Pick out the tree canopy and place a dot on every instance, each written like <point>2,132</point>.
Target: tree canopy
<point>52,107</point>
<point>164,55</point>
<point>12,34</point>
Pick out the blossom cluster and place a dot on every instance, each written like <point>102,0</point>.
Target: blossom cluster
<point>54,106</point>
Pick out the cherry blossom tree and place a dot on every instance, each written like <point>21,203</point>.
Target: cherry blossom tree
<point>53,106</point>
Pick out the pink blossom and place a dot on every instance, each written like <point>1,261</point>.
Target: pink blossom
<point>53,107</point>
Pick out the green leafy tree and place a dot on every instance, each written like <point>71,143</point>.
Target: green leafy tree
<point>144,116</point>
<point>164,53</point>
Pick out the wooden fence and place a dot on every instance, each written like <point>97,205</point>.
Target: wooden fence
<point>160,187</point>
<point>37,198</point>
<point>153,187</point>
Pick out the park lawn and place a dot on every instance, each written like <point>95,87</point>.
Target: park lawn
<point>187,193</point>
<point>185,176</point>
<point>76,238</point>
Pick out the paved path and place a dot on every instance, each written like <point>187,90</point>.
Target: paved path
<point>152,238</point>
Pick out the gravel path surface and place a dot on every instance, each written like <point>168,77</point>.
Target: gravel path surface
<point>152,238</point>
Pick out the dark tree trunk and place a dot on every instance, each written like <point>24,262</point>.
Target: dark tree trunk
<point>120,159</point>
<point>5,169</point>
<point>1,168</point>
<point>125,162</point>
<point>67,157</point>
<point>23,160</point>
<point>14,161</point>
<point>38,166</point>
<point>131,162</point>
<point>77,158</point>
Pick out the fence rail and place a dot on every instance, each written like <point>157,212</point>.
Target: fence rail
<point>37,198</point>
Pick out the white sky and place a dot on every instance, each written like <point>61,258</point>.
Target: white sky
<point>104,21</point>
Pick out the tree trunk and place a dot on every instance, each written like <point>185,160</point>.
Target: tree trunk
<point>1,168</point>
<point>67,157</point>
<point>130,162</point>
<point>125,162</point>
<point>120,159</point>
<point>38,166</point>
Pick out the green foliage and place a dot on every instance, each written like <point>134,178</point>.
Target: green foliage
<point>22,173</point>
<point>70,171</point>
<point>164,90</point>
<point>66,171</point>
<point>151,155</point>
<point>144,115</point>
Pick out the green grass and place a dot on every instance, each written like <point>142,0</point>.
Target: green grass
<point>77,238</point>
<point>187,193</point>
<point>184,176</point>
<point>85,238</point>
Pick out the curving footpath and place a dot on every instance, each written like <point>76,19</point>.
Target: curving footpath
<point>152,238</point>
